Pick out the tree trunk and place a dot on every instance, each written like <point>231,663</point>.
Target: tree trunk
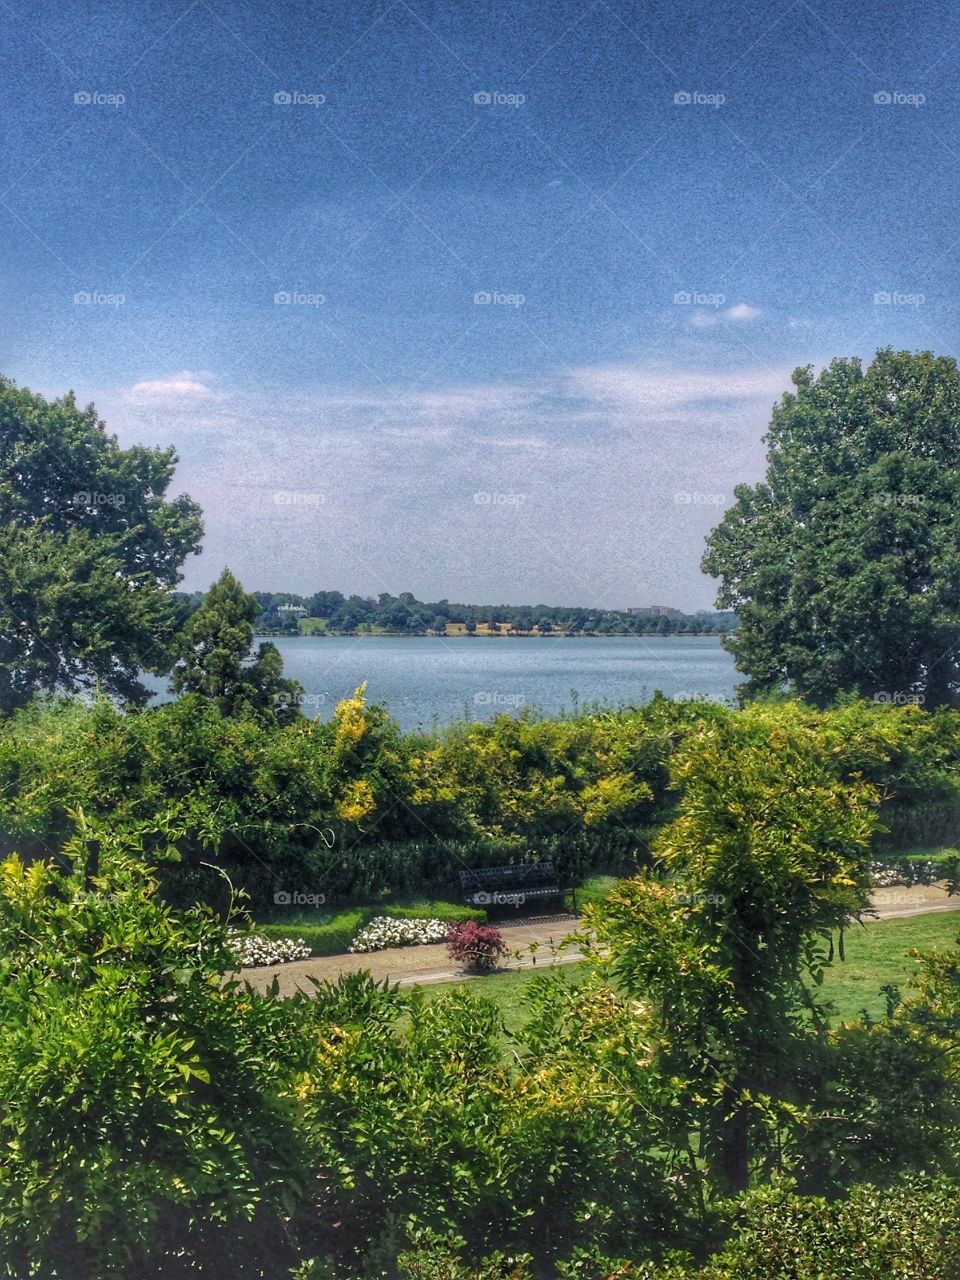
<point>734,1162</point>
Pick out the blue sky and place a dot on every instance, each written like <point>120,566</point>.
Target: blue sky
<point>514,347</point>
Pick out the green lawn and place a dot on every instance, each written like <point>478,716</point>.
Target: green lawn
<point>505,990</point>
<point>876,954</point>
<point>310,626</point>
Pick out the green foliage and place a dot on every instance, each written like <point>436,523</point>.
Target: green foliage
<point>768,853</point>
<point>355,809</point>
<point>843,564</point>
<point>89,550</point>
<point>421,1121</point>
<point>909,1232</point>
<point>331,611</point>
<point>138,1094</point>
<point>214,658</point>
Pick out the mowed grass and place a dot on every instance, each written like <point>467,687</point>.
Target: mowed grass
<point>876,954</point>
<point>506,990</point>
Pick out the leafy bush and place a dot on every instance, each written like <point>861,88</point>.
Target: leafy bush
<point>357,810</point>
<point>479,946</point>
<point>139,1107</point>
<point>907,1232</point>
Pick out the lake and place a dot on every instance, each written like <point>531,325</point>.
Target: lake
<point>426,680</point>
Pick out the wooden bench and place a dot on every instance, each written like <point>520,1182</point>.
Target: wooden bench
<point>510,886</point>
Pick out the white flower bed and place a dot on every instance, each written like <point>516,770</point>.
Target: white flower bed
<point>884,877</point>
<point>388,931</point>
<point>253,949</point>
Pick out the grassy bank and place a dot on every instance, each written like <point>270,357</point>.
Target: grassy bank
<point>876,954</point>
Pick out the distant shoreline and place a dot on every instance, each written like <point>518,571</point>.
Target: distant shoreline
<point>520,635</point>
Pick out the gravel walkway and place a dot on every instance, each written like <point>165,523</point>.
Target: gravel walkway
<point>423,966</point>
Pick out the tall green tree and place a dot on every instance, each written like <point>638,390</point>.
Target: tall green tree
<point>90,548</point>
<point>844,563</point>
<point>768,854</point>
<point>214,657</point>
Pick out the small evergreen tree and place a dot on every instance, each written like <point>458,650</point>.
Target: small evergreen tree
<point>214,657</point>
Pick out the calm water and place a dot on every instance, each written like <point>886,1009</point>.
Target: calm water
<point>427,680</point>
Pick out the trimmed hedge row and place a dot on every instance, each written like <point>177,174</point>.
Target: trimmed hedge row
<point>333,937</point>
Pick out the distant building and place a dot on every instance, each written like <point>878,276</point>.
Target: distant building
<point>655,611</point>
<point>291,611</point>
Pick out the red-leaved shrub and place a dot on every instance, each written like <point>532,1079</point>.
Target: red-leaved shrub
<point>478,946</point>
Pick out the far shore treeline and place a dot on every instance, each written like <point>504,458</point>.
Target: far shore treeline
<point>333,613</point>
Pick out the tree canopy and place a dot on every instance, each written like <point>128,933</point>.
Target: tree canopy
<point>90,548</point>
<point>214,657</point>
<point>844,563</point>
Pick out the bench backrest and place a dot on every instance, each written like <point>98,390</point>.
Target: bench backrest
<point>522,873</point>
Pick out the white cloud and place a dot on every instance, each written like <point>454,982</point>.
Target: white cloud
<point>655,392</point>
<point>554,417</point>
<point>179,386</point>
<point>738,314</point>
<point>742,311</point>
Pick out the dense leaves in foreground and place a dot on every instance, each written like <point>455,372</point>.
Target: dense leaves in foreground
<point>675,1115</point>
<point>352,807</point>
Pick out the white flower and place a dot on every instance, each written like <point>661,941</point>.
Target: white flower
<point>255,949</point>
<point>387,931</point>
<point>883,876</point>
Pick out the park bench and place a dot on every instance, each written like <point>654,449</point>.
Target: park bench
<point>510,886</point>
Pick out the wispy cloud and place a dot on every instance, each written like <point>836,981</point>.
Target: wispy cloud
<point>741,313</point>
<point>610,445</point>
<point>178,386</point>
<point>566,408</point>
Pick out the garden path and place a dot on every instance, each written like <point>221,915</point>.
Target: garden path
<point>423,966</point>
